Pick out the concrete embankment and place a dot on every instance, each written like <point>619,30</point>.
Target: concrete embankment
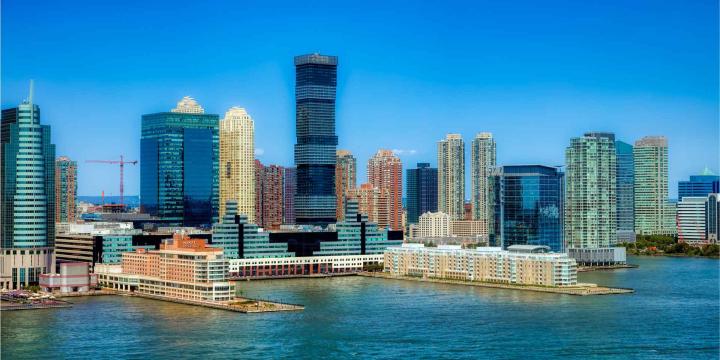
<point>579,290</point>
<point>605,268</point>
<point>243,305</point>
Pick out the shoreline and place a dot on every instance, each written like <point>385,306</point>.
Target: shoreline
<point>606,267</point>
<point>579,290</point>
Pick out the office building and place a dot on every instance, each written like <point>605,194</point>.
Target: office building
<point>712,218</point>
<point>289,190</point>
<point>241,239</point>
<point>345,179</point>
<point>315,85</point>
<point>65,190</point>
<point>179,157</point>
<point>482,163</point>
<point>527,204</point>
<point>625,192</point>
<point>269,195</point>
<point>451,175</point>
<point>27,182</point>
<point>237,161</point>
<point>435,224</point>
<point>422,191</point>
<point>699,185</point>
<point>590,198</point>
<point>469,229</point>
<point>72,277</point>
<point>653,213</point>
<point>691,218</point>
<point>264,268</point>
<point>520,264</point>
<point>385,173</point>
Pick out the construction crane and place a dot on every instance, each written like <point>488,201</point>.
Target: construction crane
<point>122,163</point>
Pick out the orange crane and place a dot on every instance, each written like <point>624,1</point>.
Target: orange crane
<point>122,163</point>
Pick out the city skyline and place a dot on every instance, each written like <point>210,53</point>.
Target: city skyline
<point>530,102</point>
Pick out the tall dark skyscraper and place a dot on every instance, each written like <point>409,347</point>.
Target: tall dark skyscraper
<point>625,192</point>
<point>315,85</point>
<point>179,157</point>
<point>421,191</point>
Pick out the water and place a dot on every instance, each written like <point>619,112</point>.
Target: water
<point>673,314</point>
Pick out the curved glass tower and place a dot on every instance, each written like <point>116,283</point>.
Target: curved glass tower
<point>315,85</point>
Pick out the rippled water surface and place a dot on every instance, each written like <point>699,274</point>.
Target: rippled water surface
<point>673,314</point>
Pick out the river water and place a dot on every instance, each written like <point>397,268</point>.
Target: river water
<point>673,314</point>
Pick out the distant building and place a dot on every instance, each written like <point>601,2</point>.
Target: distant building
<point>451,175</point>
<point>527,203</point>
<point>237,165</point>
<point>712,219</point>
<point>691,218</point>
<point>482,163</point>
<point>27,182</point>
<point>422,188</point>
<point>435,224</point>
<point>269,197</point>
<point>289,190</point>
<point>468,228</point>
<point>72,277</point>
<point>179,165</point>
<point>385,173</point>
<point>591,184</point>
<point>345,179</point>
<point>653,213</point>
<point>372,202</point>
<point>520,264</point>
<point>65,190</point>
<point>699,185</point>
<point>315,86</point>
<point>625,192</point>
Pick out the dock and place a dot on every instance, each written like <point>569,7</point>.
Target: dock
<point>12,306</point>
<point>606,267</point>
<point>579,290</point>
<point>241,305</point>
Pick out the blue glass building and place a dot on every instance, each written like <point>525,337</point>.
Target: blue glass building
<point>625,192</point>
<point>422,196</point>
<point>315,85</point>
<point>179,154</point>
<point>699,185</point>
<point>527,202</point>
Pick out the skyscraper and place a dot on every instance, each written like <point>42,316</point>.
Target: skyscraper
<point>345,179</point>
<point>691,218</point>
<point>289,187</point>
<point>482,162</point>
<point>527,205</point>
<point>315,85</point>
<point>27,182</point>
<point>371,203</point>
<point>712,218</point>
<point>241,239</point>
<point>653,214</point>
<point>269,195</point>
<point>385,173</point>
<point>451,176</point>
<point>699,185</point>
<point>179,157</point>
<point>65,190</point>
<point>590,199</point>
<point>237,168</point>
<point>422,191</point>
<point>625,192</point>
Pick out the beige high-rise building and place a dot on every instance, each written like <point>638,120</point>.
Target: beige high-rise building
<point>451,176</point>
<point>237,162</point>
<point>385,173</point>
<point>482,162</point>
<point>345,179</point>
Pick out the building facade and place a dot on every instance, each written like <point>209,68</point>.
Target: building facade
<point>527,203</point>
<point>385,173</point>
<point>435,224</point>
<point>699,185</point>
<point>422,191</point>
<point>179,165</point>
<point>345,179</point>
<point>451,175</point>
<point>289,190</point>
<point>482,163</point>
<point>712,219</point>
<point>315,86</point>
<point>65,190</point>
<point>241,239</point>
<point>237,161</point>
<point>371,202</point>
<point>653,213</point>
<point>625,192</point>
<point>269,196</point>
<point>72,277</point>
<point>691,218</point>
<point>520,264</point>
<point>590,199</point>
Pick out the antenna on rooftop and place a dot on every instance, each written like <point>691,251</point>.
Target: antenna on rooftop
<point>32,90</point>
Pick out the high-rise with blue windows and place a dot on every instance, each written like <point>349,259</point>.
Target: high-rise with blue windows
<point>625,192</point>
<point>422,191</point>
<point>527,206</point>
<point>315,85</point>
<point>179,155</point>
<point>699,185</point>
<point>27,211</point>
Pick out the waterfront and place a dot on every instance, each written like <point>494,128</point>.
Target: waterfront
<point>673,314</point>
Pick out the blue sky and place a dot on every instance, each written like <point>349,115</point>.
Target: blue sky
<point>533,73</point>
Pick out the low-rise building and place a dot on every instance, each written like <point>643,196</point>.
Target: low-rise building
<point>71,277</point>
<point>520,264</point>
<point>691,220</point>
<point>302,266</point>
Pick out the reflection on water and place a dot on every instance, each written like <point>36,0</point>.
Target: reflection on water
<point>673,314</point>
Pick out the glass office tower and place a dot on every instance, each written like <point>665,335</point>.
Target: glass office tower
<point>315,85</point>
<point>625,192</point>
<point>527,203</point>
<point>422,190</point>
<point>179,165</point>
<point>699,185</point>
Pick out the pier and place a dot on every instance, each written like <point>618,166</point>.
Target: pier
<point>242,305</point>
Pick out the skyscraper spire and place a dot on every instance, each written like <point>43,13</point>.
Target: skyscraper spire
<point>32,90</point>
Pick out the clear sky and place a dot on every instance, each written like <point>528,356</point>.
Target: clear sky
<point>534,73</point>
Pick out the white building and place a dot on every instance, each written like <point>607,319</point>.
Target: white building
<point>435,224</point>
<point>691,219</point>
